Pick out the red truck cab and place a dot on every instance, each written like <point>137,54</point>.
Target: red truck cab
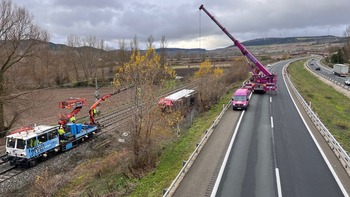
<point>240,99</point>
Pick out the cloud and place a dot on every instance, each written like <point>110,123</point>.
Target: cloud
<point>182,23</point>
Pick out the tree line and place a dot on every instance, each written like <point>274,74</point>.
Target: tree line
<point>342,55</point>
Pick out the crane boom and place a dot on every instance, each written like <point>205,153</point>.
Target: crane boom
<point>101,99</point>
<point>77,103</point>
<point>268,80</point>
<point>91,110</point>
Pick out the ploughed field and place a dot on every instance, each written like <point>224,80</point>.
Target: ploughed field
<point>43,104</point>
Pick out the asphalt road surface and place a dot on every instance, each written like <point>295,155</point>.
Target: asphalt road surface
<point>273,153</point>
<point>324,70</point>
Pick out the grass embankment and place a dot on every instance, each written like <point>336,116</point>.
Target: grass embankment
<point>332,107</point>
<point>171,160</point>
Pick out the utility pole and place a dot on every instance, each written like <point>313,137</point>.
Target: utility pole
<point>97,96</point>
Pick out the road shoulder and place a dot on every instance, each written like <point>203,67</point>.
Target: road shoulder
<point>337,166</point>
<point>201,177</point>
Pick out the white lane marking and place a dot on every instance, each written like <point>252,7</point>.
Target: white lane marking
<point>222,168</point>
<point>278,182</point>
<point>270,99</point>
<point>315,141</point>
<point>271,122</point>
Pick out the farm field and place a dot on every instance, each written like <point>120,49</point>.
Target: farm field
<point>44,104</point>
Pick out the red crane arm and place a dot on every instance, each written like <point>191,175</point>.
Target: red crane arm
<point>91,110</point>
<point>103,98</point>
<point>65,118</point>
<point>77,103</point>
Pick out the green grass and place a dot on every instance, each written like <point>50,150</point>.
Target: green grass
<point>171,160</point>
<point>332,107</point>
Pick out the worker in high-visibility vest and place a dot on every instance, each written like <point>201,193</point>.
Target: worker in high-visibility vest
<point>72,119</point>
<point>32,142</point>
<point>61,133</point>
<point>94,111</point>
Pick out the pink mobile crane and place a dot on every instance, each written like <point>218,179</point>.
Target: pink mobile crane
<point>262,80</point>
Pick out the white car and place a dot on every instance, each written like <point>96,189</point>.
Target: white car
<point>347,82</point>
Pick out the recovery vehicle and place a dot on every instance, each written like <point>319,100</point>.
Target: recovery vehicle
<point>262,80</point>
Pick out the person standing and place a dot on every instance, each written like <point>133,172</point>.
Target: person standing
<point>61,133</point>
<point>72,119</point>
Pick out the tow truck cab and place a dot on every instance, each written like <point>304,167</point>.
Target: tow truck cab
<point>240,99</point>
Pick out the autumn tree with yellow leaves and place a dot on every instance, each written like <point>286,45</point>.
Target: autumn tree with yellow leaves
<point>211,87</point>
<point>146,76</point>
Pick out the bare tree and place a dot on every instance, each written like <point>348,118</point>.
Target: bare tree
<point>90,57</point>
<point>71,56</point>
<point>48,69</point>
<point>346,48</point>
<point>134,44</point>
<point>150,41</point>
<point>123,54</point>
<point>20,41</point>
<point>40,69</point>
<point>163,45</point>
<point>85,53</point>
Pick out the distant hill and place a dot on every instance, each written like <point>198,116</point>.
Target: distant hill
<point>290,40</point>
<point>175,50</point>
<point>254,42</point>
<point>59,47</point>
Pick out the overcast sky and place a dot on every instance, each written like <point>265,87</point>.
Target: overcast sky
<point>182,23</point>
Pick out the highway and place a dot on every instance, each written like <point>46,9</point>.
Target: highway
<point>273,153</point>
<point>326,71</point>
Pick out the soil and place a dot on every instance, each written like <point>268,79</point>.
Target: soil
<point>44,107</point>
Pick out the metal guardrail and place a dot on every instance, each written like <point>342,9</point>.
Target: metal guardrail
<point>338,150</point>
<point>335,82</point>
<point>329,79</point>
<point>187,164</point>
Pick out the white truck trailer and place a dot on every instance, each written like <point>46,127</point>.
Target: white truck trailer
<point>180,98</point>
<point>340,70</point>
